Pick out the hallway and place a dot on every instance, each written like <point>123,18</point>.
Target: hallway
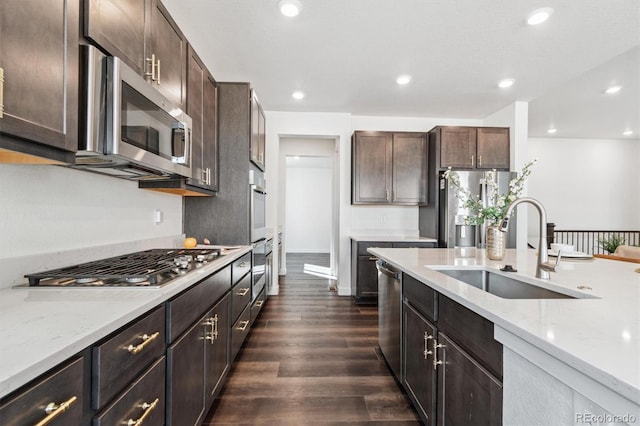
<point>311,359</point>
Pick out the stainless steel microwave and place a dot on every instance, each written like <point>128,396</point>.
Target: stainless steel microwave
<point>130,129</point>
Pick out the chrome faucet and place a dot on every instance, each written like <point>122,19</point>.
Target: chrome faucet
<point>543,267</point>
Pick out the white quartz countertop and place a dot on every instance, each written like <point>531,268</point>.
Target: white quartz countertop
<point>392,239</point>
<point>598,336</point>
<point>42,327</point>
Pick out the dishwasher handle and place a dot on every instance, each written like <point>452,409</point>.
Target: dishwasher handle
<point>383,268</point>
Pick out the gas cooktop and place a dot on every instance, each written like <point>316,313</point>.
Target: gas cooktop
<point>150,268</point>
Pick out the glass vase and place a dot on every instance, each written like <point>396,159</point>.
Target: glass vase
<point>496,241</point>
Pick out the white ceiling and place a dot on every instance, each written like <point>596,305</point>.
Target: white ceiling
<point>346,54</point>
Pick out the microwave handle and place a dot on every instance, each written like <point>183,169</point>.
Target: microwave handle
<point>184,156</point>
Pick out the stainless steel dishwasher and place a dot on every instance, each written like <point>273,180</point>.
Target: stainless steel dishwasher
<point>389,315</point>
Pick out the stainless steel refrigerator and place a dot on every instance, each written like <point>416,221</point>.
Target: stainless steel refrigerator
<point>452,230</point>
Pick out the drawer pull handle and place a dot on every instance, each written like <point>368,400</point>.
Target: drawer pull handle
<point>436,346</point>
<point>259,303</point>
<point>213,323</point>
<point>243,291</point>
<point>243,265</point>
<point>148,408</point>
<point>373,258</point>
<point>426,351</point>
<point>53,410</point>
<point>146,340</point>
<point>244,325</point>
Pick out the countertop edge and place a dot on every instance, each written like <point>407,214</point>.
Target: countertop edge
<point>13,380</point>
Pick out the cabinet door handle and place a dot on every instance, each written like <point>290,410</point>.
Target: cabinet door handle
<point>427,337</point>
<point>243,291</point>
<point>148,408</point>
<point>479,160</point>
<point>436,346</point>
<point>158,72</point>
<point>152,61</point>
<point>244,325</point>
<point>53,410</point>
<point>146,340</point>
<point>373,258</point>
<point>212,322</point>
<point>473,157</point>
<point>1,92</point>
<point>259,304</point>
<point>243,264</point>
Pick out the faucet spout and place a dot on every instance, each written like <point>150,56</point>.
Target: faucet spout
<point>542,270</point>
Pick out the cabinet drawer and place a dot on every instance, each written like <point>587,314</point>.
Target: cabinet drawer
<point>414,245</point>
<point>420,296</point>
<point>240,296</point>
<point>472,332</point>
<point>257,305</point>
<point>60,386</point>
<point>240,267</point>
<point>362,247</point>
<point>145,397</point>
<point>119,359</point>
<point>239,332</point>
<point>190,305</point>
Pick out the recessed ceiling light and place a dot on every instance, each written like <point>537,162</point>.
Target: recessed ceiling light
<point>298,95</point>
<point>290,8</point>
<point>627,132</point>
<point>612,89</point>
<point>403,79</point>
<point>507,82</point>
<point>538,16</point>
<point>552,130</point>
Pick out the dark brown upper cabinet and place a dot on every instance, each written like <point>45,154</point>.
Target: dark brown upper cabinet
<point>202,104</point>
<point>39,83</point>
<point>388,168</point>
<point>473,147</point>
<point>144,36</point>
<point>258,137</point>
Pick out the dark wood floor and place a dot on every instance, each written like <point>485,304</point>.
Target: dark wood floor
<point>311,358</point>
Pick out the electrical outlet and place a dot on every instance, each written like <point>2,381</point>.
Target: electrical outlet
<point>157,217</point>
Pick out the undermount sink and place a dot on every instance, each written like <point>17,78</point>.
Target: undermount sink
<point>501,285</point>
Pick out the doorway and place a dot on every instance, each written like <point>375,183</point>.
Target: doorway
<point>308,205</point>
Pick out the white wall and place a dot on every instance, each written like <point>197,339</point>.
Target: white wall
<point>308,208</point>
<point>516,117</point>
<point>352,219</point>
<point>587,184</point>
<point>46,209</point>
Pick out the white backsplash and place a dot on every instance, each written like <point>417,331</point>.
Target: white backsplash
<point>53,215</point>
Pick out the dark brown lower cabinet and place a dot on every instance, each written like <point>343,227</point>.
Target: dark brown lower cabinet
<point>216,348</point>
<point>467,393</point>
<point>419,374</point>
<point>143,401</point>
<point>185,376</point>
<point>58,397</point>
<point>449,357</point>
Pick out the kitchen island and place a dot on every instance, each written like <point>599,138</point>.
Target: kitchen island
<point>562,358</point>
